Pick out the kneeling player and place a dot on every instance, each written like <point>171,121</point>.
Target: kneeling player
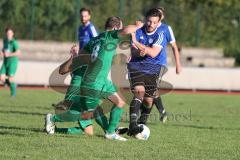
<point>71,103</point>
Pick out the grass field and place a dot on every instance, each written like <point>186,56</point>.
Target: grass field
<point>199,127</point>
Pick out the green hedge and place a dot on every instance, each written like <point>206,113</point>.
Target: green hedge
<point>233,52</point>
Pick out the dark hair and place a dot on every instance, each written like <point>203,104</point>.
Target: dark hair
<point>85,9</point>
<point>153,13</point>
<point>113,22</point>
<point>8,28</point>
<point>161,9</point>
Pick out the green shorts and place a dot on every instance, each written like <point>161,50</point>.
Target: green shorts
<point>98,90</point>
<point>88,103</point>
<point>91,94</point>
<point>85,123</point>
<point>9,66</point>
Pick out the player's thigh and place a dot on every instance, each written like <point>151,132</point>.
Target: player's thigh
<point>89,103</point>
<point>136,78</point>
<point>75,103</point>
<point>12,68</point>
<point>3,71</point>
<point>137,84</point>
<point>151,85</point>
<point>108,89</point>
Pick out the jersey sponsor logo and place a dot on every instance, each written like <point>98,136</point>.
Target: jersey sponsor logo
<point>150,40</point>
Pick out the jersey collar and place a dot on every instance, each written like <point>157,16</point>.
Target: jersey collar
<point>87,24</point>
<point>151,33</point>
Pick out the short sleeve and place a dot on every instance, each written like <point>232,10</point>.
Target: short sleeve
<point>138,35</point>
<point>15,45</point>
<point>170,36</point>
<point>93,31</point>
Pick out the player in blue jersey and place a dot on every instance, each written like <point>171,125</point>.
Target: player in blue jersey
<point>144,66</point>
<point>86,31</point>
<point>169,39</point>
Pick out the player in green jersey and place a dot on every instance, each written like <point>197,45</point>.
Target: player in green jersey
<point>10,54</point>
<point>96,84</point>
<point>86,31</point>
<point>72,102</point>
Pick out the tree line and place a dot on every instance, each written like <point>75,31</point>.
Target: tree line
<point>203,23</point>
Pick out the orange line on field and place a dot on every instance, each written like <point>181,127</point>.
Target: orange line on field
<point>206,92</point>
<point>176,91</point>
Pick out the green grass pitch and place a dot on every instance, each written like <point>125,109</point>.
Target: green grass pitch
<point>200,127</point>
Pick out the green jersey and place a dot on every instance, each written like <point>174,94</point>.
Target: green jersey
<point>10,46</point>
<point>102,50</point>
<point>9,66</point>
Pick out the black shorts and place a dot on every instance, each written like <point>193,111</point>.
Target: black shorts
<point>149,81</point>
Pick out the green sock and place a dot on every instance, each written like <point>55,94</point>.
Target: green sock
<point>72,130</point>
<point>13,88</point>
<point>115,117</point>
<point>101,119</point>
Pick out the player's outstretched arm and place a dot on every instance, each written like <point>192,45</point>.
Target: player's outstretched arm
<point>66,66</point>
<point>130,28</point>
<point>16,53</point>
<point>177,57</point>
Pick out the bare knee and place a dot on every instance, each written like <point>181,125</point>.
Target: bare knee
<point>139,92</point>
<point>2,78</point>
<point>121,103</point>
<point>148,101</point>
<point>117,100</point>
<point>11,79</point>
<point>89,130</point>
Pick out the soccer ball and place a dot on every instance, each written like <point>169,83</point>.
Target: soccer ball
<point>144,135</point>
